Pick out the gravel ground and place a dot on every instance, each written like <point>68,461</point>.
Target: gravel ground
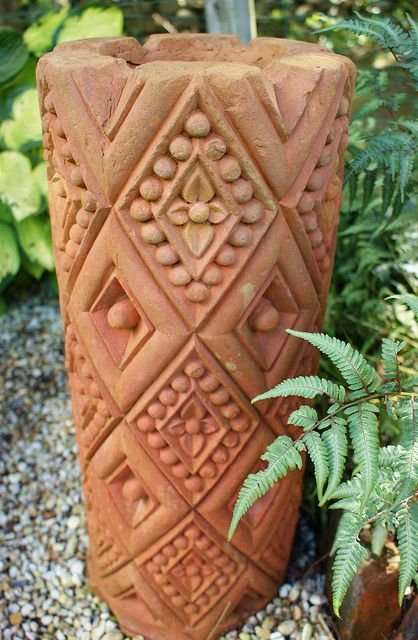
<point>43,540</point>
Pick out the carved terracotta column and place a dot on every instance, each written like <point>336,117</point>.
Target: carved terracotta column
<point>194,191</point>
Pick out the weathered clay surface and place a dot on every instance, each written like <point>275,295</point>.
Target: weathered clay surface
<point>195,186</point>
<point>370,610</point>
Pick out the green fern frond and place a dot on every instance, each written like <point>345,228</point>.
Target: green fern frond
<point>393,149</point>
<point>391,456</point>
<point>335,440</point>
<point>319,455</point>
<point>390,363</point>
<point>346,504</point>
<point>386,33</point>
<point>282,457</point>
<point>410,300</point>
<point>362,425</point>
<point>350,489</point>
<point>305,417</point>
<point>348,558</point>
<point>407,536</point>
<point>354,368</point>
<point>409,442</point>
<point>305,387</point>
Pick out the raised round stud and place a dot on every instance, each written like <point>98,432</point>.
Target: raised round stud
<point>265,317</point>
<point>229,168</point>
<point>151,188</point>
<point>146,423</point>
<point>179,276</point>
<point>226,257</point>
<point>197,125</point>
<point>215,147</point>
<point>83,218</point>
<point>242,190</point>
<point>152,234</point>
<point>194,369</point>
<point>166,255</point>
<point>306,203</point>
<point>197,292</point>
<point>123,315</point>
<point>180,383</point>
<point>140,210</point>
<point>181,148</point>
<point>77,233</point>
<point>165,168</point>
<point>240,236</point>
<point>212,275</point>
<point>88,201</point>
<point>252,212</point>
<point>133,490</point>
<point>157,410</point>
<point>314,182</point>
<point>199,212</point>
<point>209,383</point>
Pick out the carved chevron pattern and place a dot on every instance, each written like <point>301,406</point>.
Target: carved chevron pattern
<point>194,211</point>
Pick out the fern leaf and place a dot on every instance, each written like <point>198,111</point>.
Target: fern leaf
<point>362,425</point>
<point>354,368</point>
<point>386,33</point>
<point>391,371</point>
<point>409,442</point>
<point>305,387</point>
<point>410,300</point>
<point>348,558</point>
<point>319,455</point>
<point>282,457</point>
<point>305,417</point>
<point>350,489</point>
<point>346,504</point>
<point>335,440</point>
<point>407,536</point>
<point>391,456</point>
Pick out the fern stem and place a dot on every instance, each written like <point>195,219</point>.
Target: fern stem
<point>395,504</point>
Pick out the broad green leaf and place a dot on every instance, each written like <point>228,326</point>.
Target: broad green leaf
<point>18,188</point>
<point>39,175</point>
<point>23,129</point>
<point>39,37</point>
<point>35,239</point>
<point>13,53</point>
<point>9,255</point>
<point>92,21</point>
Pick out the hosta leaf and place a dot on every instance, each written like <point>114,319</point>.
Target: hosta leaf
<point>35,239</point>
<point>13,53</point>
<point>9,255</point>
<point>39,37</point>
<point>92,21</point>
<point>18,189</point>
<point>23,129</point>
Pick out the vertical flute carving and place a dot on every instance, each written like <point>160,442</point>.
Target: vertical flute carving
<point>194,186</point>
